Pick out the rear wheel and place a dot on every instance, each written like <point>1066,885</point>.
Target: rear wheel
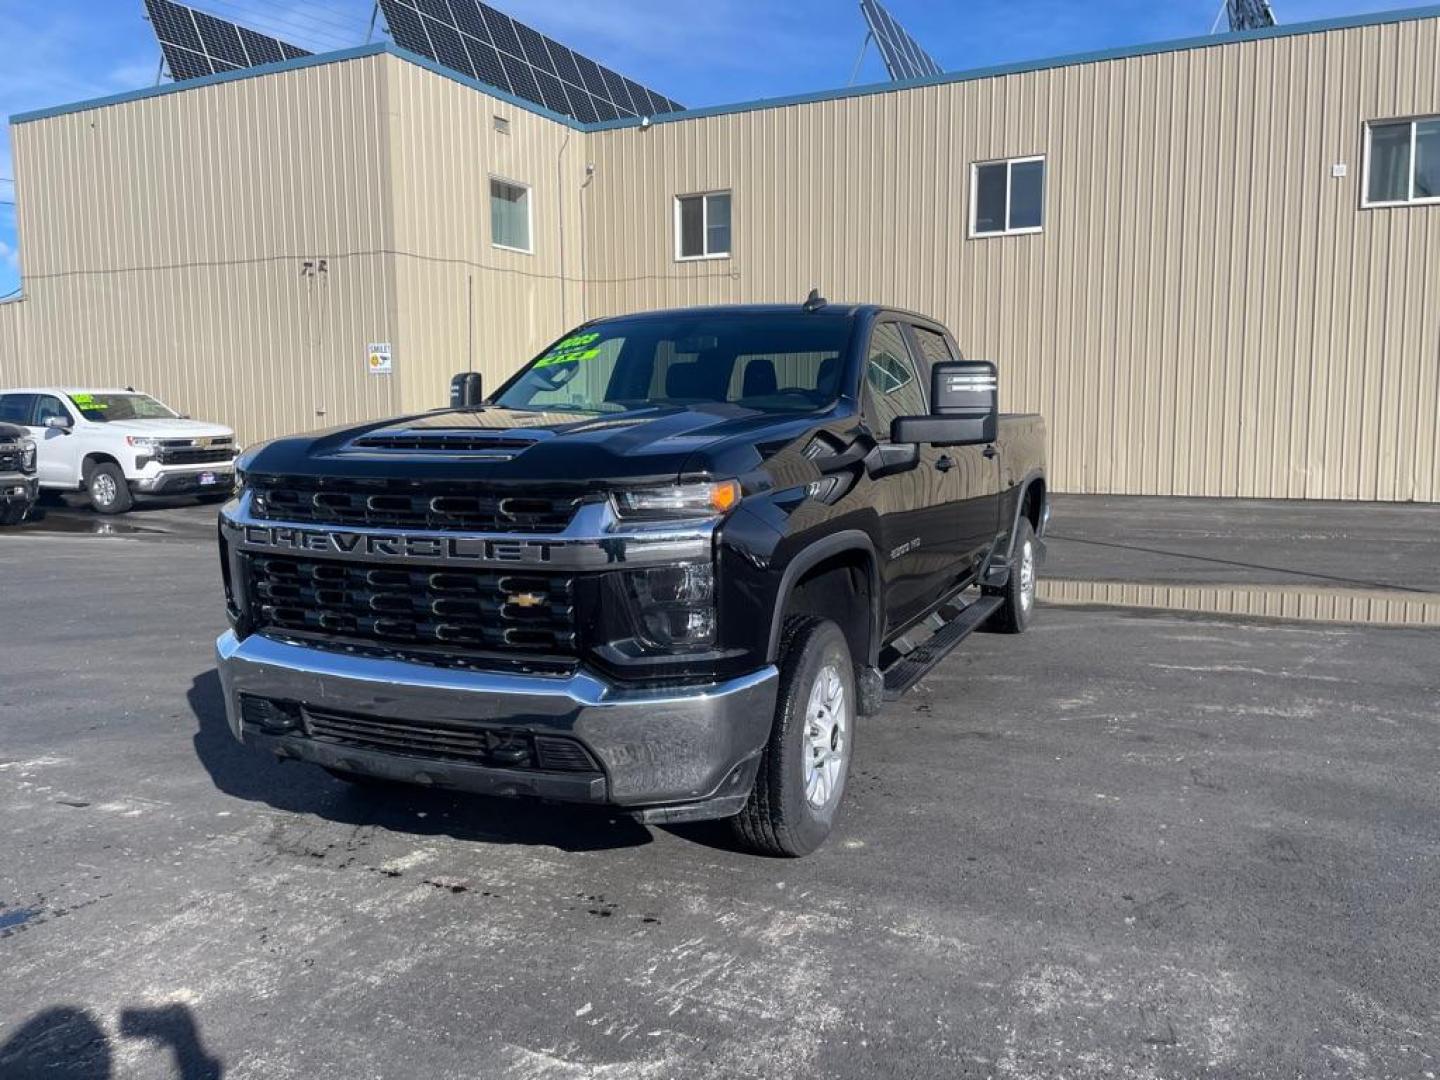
<point>109,493</point>
<point>802,774</point>
<point>1019,591</point>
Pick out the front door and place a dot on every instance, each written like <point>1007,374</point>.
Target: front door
<point>58,451</point>
<point>917,522</point>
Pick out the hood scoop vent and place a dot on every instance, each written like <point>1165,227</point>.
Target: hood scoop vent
<point>488,444</point>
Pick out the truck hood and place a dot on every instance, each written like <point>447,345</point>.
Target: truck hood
<point>643,445</point>
<point>168,429</point>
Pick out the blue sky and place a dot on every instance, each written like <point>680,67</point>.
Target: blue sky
<point>700,52</point>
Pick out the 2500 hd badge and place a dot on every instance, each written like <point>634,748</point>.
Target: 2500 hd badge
<point>716,539</point>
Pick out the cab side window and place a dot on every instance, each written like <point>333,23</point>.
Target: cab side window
<point>15,408</point>
<point>892,380</point>
<point>46,407</point>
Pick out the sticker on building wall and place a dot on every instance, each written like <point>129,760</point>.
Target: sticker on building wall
<point>379,360</point>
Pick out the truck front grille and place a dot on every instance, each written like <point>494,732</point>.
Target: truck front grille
<point>437,740</point>
<point>11,459</point>
<point>405,608</point>
<point>453,506</point>
<point>187,452</point>
<point>450,742</point>
<point>194,455</point>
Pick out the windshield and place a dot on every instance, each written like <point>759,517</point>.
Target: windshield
<point>784,363</point>
<point>102,408</point>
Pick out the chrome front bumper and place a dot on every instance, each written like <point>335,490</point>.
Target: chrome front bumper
<point>18,486</point>
<point>658,748</point>
<point>175,480</point>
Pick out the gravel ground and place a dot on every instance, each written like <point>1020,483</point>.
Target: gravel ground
<point>1125,844</point>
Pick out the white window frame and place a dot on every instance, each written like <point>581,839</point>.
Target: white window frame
<point>1370,126</point>
<point>1009,164</point>
<point>529,214</point>
<point>705,197</point>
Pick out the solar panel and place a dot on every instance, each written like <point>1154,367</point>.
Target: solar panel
<point>196,43</point>
<point>479,42</point>
<point>904,58</point>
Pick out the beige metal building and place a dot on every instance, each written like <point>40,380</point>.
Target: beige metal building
<point>1230,285</point>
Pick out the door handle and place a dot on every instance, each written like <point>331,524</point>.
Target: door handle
<point>991,452</point>
<point>945,464</point>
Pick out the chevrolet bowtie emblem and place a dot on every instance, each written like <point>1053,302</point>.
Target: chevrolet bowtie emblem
<point>527,599</point>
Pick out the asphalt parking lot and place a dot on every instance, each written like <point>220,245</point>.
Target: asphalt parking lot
<point>1129,844</point>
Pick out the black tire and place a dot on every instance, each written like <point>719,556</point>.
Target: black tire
<point>780,819</point>
<point>13,513</point>
<point>109,492</point>
<point>1019,591</point>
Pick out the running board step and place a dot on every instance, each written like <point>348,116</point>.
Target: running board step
<point>906,672</point>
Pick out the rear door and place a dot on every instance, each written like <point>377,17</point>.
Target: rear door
<point>916,517</point>
<point>975,472</point>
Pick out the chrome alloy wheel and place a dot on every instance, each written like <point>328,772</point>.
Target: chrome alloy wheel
<point>103,489</point>
<point>827,727</point>
<point>1027,576</point>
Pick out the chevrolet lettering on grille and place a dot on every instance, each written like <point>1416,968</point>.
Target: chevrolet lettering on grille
<point>458,549</point>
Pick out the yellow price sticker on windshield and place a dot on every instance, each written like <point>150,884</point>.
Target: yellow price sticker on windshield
<point>571,351</point>
<point>557,358</point>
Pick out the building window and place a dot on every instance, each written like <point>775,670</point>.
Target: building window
<point>510,216</point>
<point>1402,162</point>
<point>1007,197</point>
<point>702,226</point>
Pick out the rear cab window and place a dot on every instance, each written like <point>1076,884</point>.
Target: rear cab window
<point>932,345</point>
<point>16,408</point>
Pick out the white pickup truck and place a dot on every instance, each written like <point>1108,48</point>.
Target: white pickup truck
<point>117,444</point>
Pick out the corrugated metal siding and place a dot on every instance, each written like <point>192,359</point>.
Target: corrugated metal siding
<point>444,150</point>
<point>1208,311</point>
<point>163,246</point>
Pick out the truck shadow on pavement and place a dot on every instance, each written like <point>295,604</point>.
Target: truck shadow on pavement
<point>68,1042</point>
<point>302,788</point>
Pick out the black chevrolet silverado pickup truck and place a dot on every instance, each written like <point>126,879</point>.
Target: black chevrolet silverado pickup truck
<point>18,485</point>
<point>663,568</point>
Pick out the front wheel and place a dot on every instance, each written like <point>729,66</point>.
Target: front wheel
<point>109,491</point>
<point>802,774</point>
<point>13,513</point>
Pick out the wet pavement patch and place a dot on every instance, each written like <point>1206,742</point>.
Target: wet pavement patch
<point>14,919</point>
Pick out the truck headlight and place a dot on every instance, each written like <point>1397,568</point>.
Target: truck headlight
<point>141,442</point>
<point>245,462</point>
<point>678,501</point>
<point>27,456</point>
<point>676,604</point>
